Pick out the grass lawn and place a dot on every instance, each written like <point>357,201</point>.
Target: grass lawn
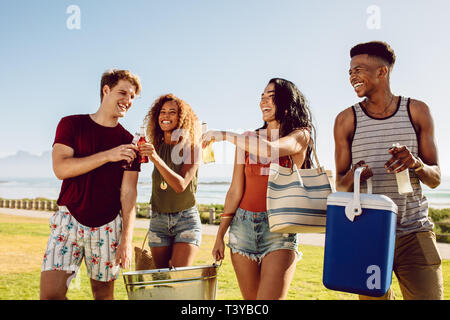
<point>23,241</point>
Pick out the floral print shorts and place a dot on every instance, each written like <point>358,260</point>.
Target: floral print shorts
<point>70,241</point>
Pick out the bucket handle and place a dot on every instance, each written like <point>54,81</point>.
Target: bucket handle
<point>217,263</point>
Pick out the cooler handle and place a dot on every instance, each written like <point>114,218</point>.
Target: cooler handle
<point>353,208</point>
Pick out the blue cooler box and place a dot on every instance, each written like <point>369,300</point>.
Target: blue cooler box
<point>359,241</point>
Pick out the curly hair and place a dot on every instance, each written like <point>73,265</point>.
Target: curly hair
<point>293,112</point>
<point>187,121</point>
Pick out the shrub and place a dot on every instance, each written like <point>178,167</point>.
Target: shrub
<point>439,214</point>
<point>441,218</point>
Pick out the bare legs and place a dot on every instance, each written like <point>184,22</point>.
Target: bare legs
<point>179,255</point>
<point>54,285</point>
<point>269,280</point>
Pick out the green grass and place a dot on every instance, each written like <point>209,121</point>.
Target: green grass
<point>24,239</point>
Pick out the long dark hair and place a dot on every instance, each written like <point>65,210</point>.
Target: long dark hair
<point>293,112</point>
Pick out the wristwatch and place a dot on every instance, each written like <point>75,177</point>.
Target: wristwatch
<point>421,165</point>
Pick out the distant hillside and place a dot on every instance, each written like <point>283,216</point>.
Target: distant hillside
<point>26,165</point>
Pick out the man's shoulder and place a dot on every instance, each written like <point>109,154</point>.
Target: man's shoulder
<point>74,117</point>
<point>420,114</point>
<point>126,135</point>
<point>344,124</point>
<point>418,105</point>
<point>122,129</point>
<point>347,114</point>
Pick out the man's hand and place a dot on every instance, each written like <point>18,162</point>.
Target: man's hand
<point>401,160</point>
<point>125,152</point>
<point>366,173</point>
<point>123,254</point>
<point>66,166</point>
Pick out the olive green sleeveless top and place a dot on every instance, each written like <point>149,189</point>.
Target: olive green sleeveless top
<point>168,201</point>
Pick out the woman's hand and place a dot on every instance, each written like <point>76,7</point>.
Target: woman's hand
<point>212,136</point>
<point>218,252</point>
<point>148,149</point>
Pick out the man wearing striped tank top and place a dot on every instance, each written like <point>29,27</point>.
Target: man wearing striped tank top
<point>364,135</point>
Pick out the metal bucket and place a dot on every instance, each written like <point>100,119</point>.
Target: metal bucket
<point>183,283</point>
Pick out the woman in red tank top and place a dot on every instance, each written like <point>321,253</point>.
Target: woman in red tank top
<point>264,262</point>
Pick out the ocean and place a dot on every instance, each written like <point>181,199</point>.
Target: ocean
<point>210,190</point>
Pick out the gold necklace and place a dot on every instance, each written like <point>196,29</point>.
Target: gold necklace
<point>384,110</point>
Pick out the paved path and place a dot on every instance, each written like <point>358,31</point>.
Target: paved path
<point>314,239</point>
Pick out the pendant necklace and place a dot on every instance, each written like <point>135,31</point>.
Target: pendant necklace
<point>382,112</point>
<point>163,184</point>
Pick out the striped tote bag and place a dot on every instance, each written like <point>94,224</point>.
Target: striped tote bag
<point>297,199</point>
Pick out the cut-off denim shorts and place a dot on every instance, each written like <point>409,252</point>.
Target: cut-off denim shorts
<point>250,236</point>
<point>169,228</point>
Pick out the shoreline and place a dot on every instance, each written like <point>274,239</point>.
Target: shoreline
<point>440,206</point>
<point>437,206</point>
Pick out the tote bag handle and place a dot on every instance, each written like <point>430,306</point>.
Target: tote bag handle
<point>311,144</point>
<point>145,239</point>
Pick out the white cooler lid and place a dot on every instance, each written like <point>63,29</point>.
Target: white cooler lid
<point>368,201</point>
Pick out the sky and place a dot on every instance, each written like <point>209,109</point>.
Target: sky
<point>216,55</point>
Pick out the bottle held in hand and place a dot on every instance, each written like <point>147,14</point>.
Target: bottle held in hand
<point>142,159</point>
<point>125,163</point>
<point>208,151</point>
<point>403,182</point>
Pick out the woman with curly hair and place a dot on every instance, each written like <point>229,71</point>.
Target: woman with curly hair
<point>174,144</point>
<point>264,262</point>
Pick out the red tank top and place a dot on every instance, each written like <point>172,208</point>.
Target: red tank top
<point>256,180</point>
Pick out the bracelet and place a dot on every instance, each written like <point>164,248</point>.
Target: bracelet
<point>230,215</point>
<point>421,165</point>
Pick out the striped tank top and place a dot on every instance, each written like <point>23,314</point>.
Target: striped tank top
<point>371,141</point>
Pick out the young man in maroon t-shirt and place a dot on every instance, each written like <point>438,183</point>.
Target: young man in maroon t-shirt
<point>98,196</point>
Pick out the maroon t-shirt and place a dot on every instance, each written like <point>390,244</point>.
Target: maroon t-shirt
<point>94,197</point>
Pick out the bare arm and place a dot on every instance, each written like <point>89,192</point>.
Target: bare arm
<point>128,195</point>
<point>294,143</point>
<point>422,120</point>
<point>232,201</point>
<point>65,165</point>
<point>178,182</point>
<point>343,134</point>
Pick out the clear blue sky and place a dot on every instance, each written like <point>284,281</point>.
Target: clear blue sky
<point>217,55</point>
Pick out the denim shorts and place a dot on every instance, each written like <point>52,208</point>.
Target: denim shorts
<point>250,236</point>
<point>169,228</point>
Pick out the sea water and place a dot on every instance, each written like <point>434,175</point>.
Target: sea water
<point>209,190</point>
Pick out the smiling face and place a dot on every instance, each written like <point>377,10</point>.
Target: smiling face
<point>267,103</point>
<point>168,116</point>
<point>119,98</point>
<point>366,74</point>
